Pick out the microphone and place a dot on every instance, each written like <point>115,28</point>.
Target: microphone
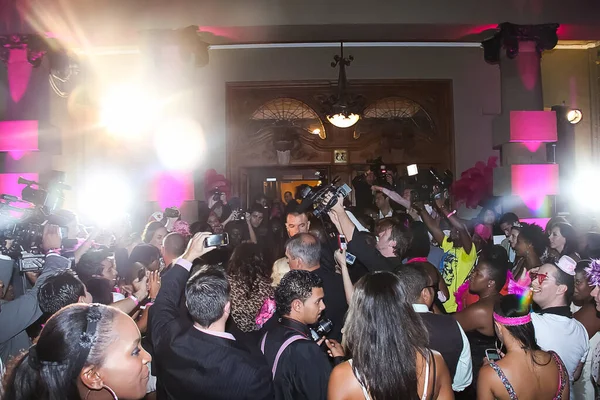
<point>23,181</point>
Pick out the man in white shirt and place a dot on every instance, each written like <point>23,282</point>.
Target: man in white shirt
<point>382,201</point>
<point>555,329</point>
<point>445,334</point>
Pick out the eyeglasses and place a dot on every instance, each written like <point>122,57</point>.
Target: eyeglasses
<point>540,277</point>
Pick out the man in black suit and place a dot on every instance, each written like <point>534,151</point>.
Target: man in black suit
<point>197,359</point>
<point>445,333</point>
<point>300,367</point>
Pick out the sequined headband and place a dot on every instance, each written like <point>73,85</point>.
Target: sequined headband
<point>86,340</point>
<point>512,321</point>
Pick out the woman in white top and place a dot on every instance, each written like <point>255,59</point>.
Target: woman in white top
<point>388,345</point>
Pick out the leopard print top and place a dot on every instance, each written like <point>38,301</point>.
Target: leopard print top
<point>243,308</point>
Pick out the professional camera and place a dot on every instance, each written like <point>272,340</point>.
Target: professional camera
<point>216,194</point>
<point>314,196</point>
<point>323,327</point>
<point>49,198</point>
<point>22,226</point>
<point>380,170</point>
<point>432,186</point>
<point>240,215</point>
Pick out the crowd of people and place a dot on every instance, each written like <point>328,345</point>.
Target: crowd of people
<point>387,299</point>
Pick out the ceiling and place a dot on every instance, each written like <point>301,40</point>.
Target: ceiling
<point>122,22</point>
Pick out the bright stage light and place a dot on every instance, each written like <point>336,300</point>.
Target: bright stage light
<point>412,170</point>
<point>584,190</point>
<point>179,144</point>
<point>104,198</point>
<point>128,111</point>
<point>574,116</point>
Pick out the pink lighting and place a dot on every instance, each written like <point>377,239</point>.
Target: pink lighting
<point>9,185</point>
<point>533,182</point>
<point>16,154</point>
<point>532,146</point>
<point>541,222</point>
<point>19,72</point>
<point>18,136</point>
<point>529,72</point>
<point>171,189</point>
<point>533,126</point>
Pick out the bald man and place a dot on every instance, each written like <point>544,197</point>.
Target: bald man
<point>173,247</point>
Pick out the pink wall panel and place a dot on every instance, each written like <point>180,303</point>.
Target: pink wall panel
<point>171,189</point>
<point>18,136</point>
<point>533,126</point>
<point>533,182</point>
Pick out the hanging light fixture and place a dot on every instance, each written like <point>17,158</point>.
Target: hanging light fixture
<point>343,109</point>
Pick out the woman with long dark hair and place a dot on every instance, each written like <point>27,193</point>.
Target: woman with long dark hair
<point>153,234</point>
<point>250,280</point>
<point>84,352</point>
<point>388,360</point>
<point>534,374</point>
<point>563,239</point>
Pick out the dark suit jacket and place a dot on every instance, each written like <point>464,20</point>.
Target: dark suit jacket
<point>303,369</point>
<point>369,256</point>
<point>191,364</point>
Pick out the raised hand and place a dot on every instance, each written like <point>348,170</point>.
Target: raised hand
<point>51,238</point>
<point>196,247</point>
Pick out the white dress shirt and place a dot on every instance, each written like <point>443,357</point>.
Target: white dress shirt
<point>389,214</point>
<point>464,369</point>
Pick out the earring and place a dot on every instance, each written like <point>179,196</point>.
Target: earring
<point>112,393</point>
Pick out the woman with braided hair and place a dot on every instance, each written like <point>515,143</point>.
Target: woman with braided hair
<point>84,352</point>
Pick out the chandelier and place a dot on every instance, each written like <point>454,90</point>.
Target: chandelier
<point>343,109</point>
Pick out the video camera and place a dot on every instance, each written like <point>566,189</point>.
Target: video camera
<point>216,194</point>
<point>313,196</point>
<point>240,215</point>
<point>322,328</point>
<point>431,186</point>
<point>22,226</point>
<point>380,170</point>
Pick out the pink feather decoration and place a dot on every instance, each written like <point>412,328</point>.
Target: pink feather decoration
<point>460,294</point>
<point>476,184</point>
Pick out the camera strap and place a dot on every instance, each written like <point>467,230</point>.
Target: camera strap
<point>284,346</point>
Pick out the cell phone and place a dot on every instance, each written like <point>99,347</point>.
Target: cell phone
<point>343,245</point>
<point>218,240</point>
<point>64,232</point>
<point>492,354</point>
<point>350,258</point>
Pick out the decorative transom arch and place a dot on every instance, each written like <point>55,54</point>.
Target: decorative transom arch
<point>296,112</point>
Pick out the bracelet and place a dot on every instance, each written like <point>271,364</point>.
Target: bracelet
<point>135,300</point>
<point>451,214</point>
<point>148,304</point>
